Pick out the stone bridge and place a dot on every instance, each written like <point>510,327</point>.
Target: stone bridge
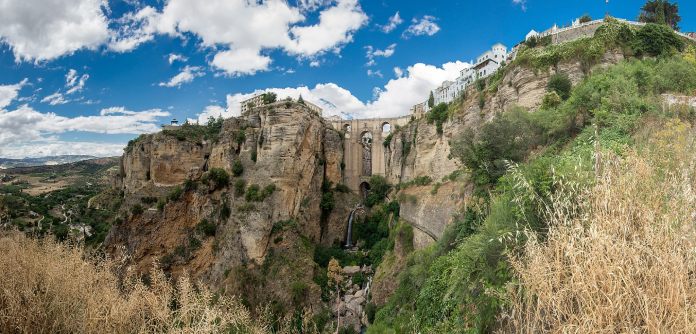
<point>364,153</point>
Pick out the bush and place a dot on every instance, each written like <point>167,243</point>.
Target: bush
<point>551,100</point>
<point>438,115</point>
<point>585,18</point>
<point>379,188</point>
<point>175,194</point>
<point>560,83</point>
<point>207,228</point>
<point>219,177</point>
<point>237,168</point>
<point>481,101</point>
<point>239,186</point>
<point>657,40</point>
<point>255,194</point>
<point>269,98</point>
<point>137,209</point>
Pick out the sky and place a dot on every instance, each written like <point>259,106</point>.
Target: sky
<point>86,76</point>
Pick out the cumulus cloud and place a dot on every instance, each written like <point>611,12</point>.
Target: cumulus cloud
<point>242,31</point>
<point>424,26</point>
<point>53,147</point>
<point>38,30</point>
<point>10,92</point>
<point>376,73</point>
<point>372,53</point>
<point>394,22</point>
<point>394,99</point>
<point>398,72</point>
<point>187,75</point>
<point>24,130</point>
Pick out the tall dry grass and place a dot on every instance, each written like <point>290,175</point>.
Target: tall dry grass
<point>47,287</point>
<point>622,259</point>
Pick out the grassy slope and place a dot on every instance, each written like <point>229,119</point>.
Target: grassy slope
<point>459,284</point>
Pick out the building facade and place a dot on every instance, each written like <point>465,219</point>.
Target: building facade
<point>485,65</point>
<point>251,103</point>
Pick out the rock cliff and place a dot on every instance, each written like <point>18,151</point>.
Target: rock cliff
<point>266,218</point>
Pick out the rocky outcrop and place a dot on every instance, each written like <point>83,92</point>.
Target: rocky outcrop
<point>418,150</point>
<point>287,152</point>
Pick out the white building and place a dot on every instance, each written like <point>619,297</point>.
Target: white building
<point>486,64</point>
<point>252,102</point>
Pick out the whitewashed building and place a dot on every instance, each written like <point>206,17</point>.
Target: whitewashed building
<point>486,64</point>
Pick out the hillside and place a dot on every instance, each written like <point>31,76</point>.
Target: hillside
<point>42,161</point>
<point>554,196</point>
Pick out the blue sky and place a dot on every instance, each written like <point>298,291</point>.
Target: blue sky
<point>85,76</point>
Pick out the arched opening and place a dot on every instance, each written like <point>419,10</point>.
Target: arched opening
<point>346,130</point>
<point>366,142</point>
<point>386,127</point>
<point>364,190</point>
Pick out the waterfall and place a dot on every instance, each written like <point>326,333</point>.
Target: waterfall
<point>349,232</point>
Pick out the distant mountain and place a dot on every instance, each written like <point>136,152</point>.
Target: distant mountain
<point>42,161</point>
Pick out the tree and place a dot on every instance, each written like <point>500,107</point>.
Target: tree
<point>585,18</point>
<point>335,275</point>
<point>431,100</point>
<point>660,12</point>
<point>300,100</point>
<point>269,98</point>
<point>657,40</point>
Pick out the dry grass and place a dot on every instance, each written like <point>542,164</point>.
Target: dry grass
<point>47,287</point>
<point>622,259</point>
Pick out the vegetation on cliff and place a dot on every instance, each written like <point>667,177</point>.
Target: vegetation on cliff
<point>522,164</point>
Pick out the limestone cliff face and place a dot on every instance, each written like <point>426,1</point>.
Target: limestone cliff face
<point>287,152</point>
<point>418,150</point>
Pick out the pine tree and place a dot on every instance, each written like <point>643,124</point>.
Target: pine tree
<point>300,100</point>
<point>431,100</point>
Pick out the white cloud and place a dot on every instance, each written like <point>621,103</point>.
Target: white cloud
<point>56,147</point>
<point>187,75</point>
<point>394,99</point>
<point>135,28</point>
<point>372,53</point>
<point>241,62</point>
<point>376,73</point>
<point>394,22</point>
<point>24,125</point>
<point>240,31</point>
<point>55,99</point>
<point>74,83</point>
<point>521,3</point>
<point>52,147</point>
<point>335,28</point>
<point>398,72</point>
<point>425,26</point>
<point>38,30</point>
<point>10,92</point>
<point>176,57</point>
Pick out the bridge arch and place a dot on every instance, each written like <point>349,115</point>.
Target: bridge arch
<point>386,127</point>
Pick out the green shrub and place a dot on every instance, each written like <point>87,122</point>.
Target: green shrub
<point>585,18</point>
<point>269,98</point>
<point>225,211</point>
<point>481,101</point>
<point>237,168</point>
<point>388,140</point>
<point>175,194</point>
<point>379,188</point>
<point>560,83</point>
<point>657,40</point>
<point>219,177</point>
<point>438,115</point>
<point>551,100</point>
<point>207,228</point>
<point>148,200</point>
<point>137,209</point>
<point>239,187</point>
